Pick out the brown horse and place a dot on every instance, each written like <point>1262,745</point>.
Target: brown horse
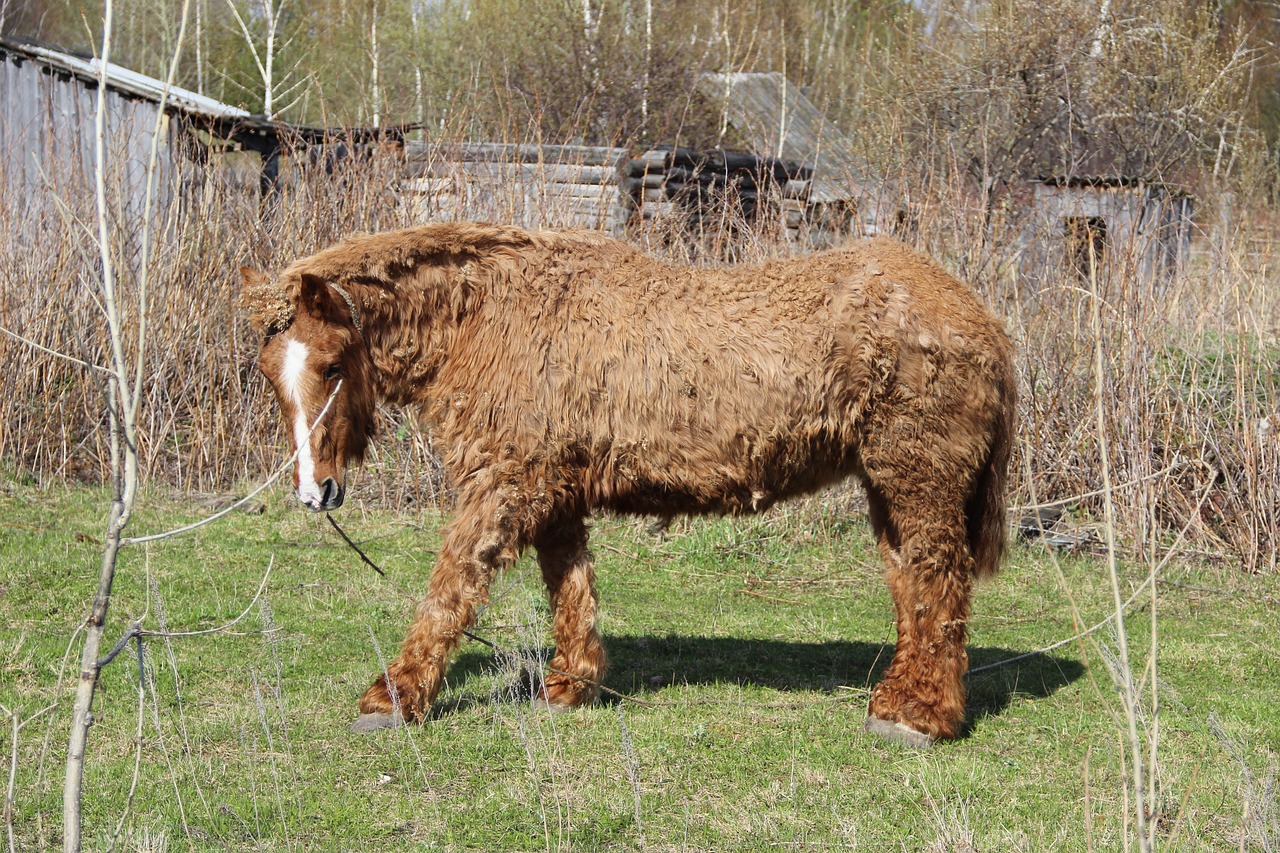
<point>565,372</point>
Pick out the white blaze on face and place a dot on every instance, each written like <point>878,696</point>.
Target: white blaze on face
<point>295,365</point>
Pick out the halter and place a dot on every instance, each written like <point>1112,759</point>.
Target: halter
<point>351,304</point>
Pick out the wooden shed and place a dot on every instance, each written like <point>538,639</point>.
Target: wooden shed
<point>1121,222</point>
<point>48,105</point>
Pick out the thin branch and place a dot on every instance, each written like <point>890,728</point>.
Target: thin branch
<point>1174,466</point>
<point>124,492</point>
<point>152,167</point>
<point>13,776</point>
<point>137,753</point>
<point>136,630</point>
<point>1124,675</point>
<point>1154,575</point>
<point>54,353</point>
<point>248,39</point>
<point>9,795</point>
<point>221,628</point>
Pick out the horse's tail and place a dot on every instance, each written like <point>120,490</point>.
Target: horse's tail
<point>988,527</point>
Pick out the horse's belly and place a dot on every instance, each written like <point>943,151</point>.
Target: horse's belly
<point>734,476</point>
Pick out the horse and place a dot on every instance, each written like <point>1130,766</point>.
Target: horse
<point>564,373</point>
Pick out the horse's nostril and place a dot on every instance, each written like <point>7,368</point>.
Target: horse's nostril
<point>330,494</point>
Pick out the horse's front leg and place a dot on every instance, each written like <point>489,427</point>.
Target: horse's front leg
<point>482,538</point>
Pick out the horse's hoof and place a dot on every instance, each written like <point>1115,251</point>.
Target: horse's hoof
<point>541,704</point>
<point>899,733</point>
<point>366,723</point>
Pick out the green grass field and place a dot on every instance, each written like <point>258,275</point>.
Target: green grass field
<point>743,648</point>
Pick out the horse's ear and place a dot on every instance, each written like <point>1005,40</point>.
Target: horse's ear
<point>315,298</point>
<point>324,299</point>
<point>252,278</point>
<point>269,307</point>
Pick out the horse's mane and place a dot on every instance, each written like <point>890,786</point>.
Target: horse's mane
<point>384,260</point>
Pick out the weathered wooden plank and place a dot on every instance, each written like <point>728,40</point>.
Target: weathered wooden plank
<point>431,186</point>
<point>524,173</point>
<point>594,191</point>
<point>582,155</point>
<point>796,189</point>
<point>591,208</point>
<point>658,209</point>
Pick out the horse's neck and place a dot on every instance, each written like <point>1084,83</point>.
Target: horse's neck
<point>407,353</point>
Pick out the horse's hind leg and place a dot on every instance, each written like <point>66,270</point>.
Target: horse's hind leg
<point>922,537</point>
<point>479,540</point>
<point>573,676</point>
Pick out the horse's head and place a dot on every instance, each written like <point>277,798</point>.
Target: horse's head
<point>315,356</point>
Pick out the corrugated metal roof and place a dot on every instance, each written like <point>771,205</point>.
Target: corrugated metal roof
<point>1111,182</point>
<point>121,79</point>
<point>778,120</point>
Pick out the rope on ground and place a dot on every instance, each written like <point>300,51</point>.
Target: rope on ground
<point>1062,643</point>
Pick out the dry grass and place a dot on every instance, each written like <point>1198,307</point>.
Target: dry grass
<point>1191,366</point>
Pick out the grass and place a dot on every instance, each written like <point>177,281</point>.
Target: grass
<point>745,648</point>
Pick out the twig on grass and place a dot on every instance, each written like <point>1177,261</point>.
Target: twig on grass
<point>137,754</point>
<point>632,764</point>
<point>761,595</point>
<point>136,629</point>
<point>16,727</point>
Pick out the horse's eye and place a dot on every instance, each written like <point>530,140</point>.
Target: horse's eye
<point>332,372</point>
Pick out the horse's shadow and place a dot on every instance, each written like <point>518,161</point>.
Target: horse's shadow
<point>645,664</point>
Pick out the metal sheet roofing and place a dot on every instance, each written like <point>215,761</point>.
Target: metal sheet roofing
<point>121,79</point>
<point>778,120</point>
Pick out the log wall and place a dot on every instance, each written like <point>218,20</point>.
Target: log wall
<point>537,186</point>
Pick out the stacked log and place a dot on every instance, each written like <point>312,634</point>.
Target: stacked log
<point>552,186</point>
<point>715,186</point>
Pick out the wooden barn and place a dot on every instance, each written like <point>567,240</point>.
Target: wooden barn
<point>1143,227</point>
<point>48,105</point>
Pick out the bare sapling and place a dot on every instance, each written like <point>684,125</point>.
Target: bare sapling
<point>279,92</point>
<point>1122,669</point>
<point>124,385</point>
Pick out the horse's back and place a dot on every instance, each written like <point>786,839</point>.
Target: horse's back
<point>661,387</point>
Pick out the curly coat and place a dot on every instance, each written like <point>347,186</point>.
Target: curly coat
<point>566,372</point>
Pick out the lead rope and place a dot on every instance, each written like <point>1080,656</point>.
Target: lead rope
<point>355,320</point>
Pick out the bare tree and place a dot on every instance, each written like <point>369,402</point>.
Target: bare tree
<point>262,24</point>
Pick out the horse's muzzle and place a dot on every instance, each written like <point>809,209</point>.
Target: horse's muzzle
<point>331,495</point>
